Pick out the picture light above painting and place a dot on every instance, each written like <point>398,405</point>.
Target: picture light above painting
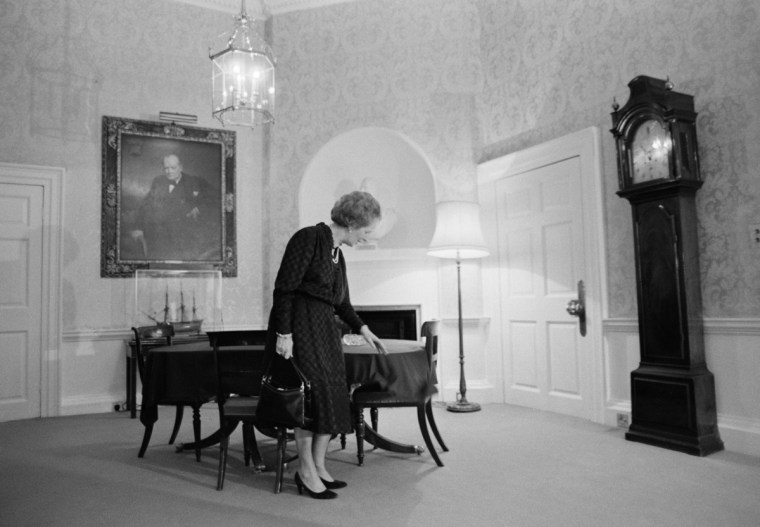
<point>168,198</point>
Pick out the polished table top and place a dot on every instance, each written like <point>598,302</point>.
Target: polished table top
<point>185,372</point>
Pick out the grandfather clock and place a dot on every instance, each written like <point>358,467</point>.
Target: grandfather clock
<point>672,391</point>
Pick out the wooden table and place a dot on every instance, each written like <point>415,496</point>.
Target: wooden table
<point>186,372</point>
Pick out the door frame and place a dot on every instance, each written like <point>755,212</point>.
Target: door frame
<point>51,180</point>
<point>585,145</point>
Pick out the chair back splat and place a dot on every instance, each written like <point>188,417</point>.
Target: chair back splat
<point>429,332</point>
<point>240,360</point>
<point>238,373</point>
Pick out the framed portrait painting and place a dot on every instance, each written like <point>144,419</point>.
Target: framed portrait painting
<point>168,198</point>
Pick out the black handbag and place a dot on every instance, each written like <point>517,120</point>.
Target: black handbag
<point>283,405</point>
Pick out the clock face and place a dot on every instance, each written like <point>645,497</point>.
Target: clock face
<point>651,147</point>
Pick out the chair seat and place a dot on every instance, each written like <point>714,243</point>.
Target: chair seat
<point>236,407</point>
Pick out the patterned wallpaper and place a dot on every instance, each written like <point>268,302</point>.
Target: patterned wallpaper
<point>465,80</point>
<point>470,80</point>
<point>412,67</point>
<point>66,63</point>
<point>563,66</point>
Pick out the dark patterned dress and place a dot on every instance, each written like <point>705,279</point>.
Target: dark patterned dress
<point>309,291</point>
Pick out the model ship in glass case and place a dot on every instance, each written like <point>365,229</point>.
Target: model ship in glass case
<point>176,314</point>
<point>190,301</point>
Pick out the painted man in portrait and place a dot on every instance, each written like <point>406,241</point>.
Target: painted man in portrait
<point>178,218</point>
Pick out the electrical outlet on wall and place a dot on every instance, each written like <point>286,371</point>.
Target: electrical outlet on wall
<point>622,420</point>
<point>754,234</point>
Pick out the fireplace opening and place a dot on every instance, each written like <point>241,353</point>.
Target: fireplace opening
<point>389,322</point>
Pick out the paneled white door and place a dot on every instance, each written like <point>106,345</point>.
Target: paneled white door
<point>541,249</point>
<point>542,213</point>
<point>21,234</point>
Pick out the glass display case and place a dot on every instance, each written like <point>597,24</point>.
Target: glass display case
<point>189,300</point>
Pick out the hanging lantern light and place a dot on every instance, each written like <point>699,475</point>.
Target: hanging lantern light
<point>243,72</point>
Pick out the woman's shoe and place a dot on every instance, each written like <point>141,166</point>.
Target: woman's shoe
<point>336,484</point>
<point>324,495</point>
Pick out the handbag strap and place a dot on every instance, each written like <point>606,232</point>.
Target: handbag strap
<point>300,374</point>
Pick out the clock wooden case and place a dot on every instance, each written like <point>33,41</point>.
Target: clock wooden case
<point>672,391</point>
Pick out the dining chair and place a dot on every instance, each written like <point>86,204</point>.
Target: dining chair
<point>238,387</point>
<point>375,399</point>
<point>147,337</point>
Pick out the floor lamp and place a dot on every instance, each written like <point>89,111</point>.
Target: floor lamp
<point>458,236</point>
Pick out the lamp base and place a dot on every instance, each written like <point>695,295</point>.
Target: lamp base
<point>463,407</point>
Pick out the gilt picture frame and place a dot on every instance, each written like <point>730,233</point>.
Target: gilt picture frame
<point>168,198</point>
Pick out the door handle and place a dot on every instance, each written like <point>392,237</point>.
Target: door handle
<point>577,308</point>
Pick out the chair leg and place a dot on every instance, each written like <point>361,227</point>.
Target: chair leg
<point>433,426</point>
<point>426,434</point>
<point>177,422</point>
<point>197,431</point>
<point>247,431</point>
<point>374,416</point>
<point>359,420</point>
<point>146,439</point>
<point>282,439</point>
<point>223,444</point>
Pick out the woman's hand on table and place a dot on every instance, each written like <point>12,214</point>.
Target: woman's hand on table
<point>373,340</point>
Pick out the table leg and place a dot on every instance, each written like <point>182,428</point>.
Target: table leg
<point>251,449</point>
<point>146,439</point>
<point>197,429</point>
<point>131,386</point>
<point>380,441</point>
<point>206,442</point>
<point>365,431</point>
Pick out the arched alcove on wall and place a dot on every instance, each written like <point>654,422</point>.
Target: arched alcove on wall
<point>384,163</point>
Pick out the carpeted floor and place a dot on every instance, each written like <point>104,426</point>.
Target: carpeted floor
<point>507,466</point>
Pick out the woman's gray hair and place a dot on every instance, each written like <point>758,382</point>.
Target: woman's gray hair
<point>356,210</point>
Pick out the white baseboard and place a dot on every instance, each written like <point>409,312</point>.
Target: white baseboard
<point>740,435</point>
<point>90,404</point>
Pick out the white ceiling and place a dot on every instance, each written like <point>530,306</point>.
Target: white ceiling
<point>254,7</point>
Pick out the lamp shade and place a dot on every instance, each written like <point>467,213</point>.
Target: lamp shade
<point>457,231</point>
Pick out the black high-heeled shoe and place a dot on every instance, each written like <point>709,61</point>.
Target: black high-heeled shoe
<point>335,484</point>
<point>324,495</point>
